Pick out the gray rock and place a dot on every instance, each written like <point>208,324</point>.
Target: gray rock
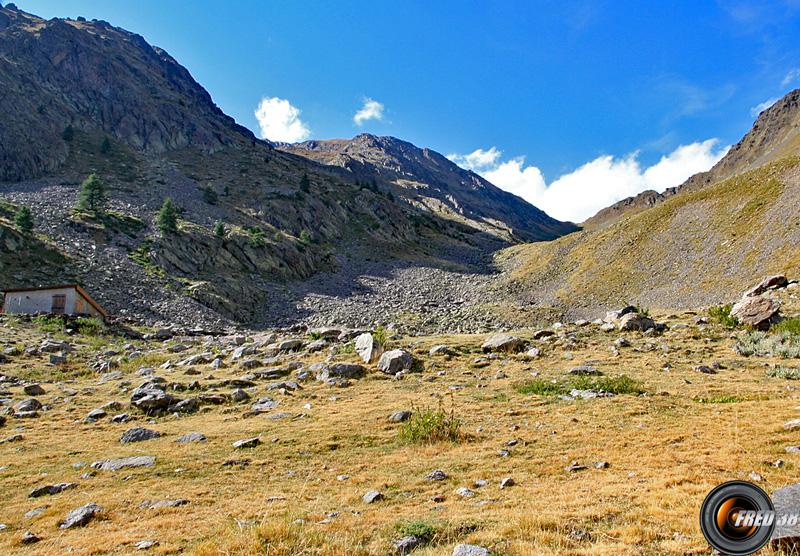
<point>440,349</point>
<point>191,437</point>
<point>247,443</point>
<point>502,342</point>
<point>30,538</point>
<point>758,312</point>
<point>138,434</point>
<point>341,370</point>
<point>372,496</point>
<point>436,475</point>
<point>584,370</point>
<point>465,492</point>
<point>470,550</point>
<point>636,322</point>
<point>122,463</point>
<point>395,361</point>
<point>121,418</point>
<point>406,545</point>
<point>792,425</point>
<point>189,405</point>
<point>368,348</point>
<point>145,545</point>
<point>50,489</point>
<point>400,416</point>
<point>239,395</point>
<point>292,344</point>
<point>786,501</point>
<point>158,504</point>
<point>33,390</point>
<point>613,316</point>
<point>31,404</point>
<point>769,283</point>
<point>507,482</point>
<point>81,516</point>
<point>263,405</point>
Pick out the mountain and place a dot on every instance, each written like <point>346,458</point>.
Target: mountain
<point>701,243</point>
<point>81,97</point>
<point>774,135</point>
<point>434,183</point>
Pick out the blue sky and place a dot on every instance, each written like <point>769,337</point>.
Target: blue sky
<point>606,88</point>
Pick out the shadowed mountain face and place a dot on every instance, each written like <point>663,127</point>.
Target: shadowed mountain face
<point>701,243</point>
<point>80,97</point>
<point>774,135</point>
<point>432,181</point>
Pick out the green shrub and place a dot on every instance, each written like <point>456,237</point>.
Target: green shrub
<point>209,195</point>
<point>429,426</point>
<point>167,219</point>
<point>219,229</point>
<point>305,237</point>
<point>23,219</point>
<point>256,236</point>
<point>616,385</point>
<point>380,335</point>
<point>68,134</point>
<point>89,326</point>
<point>92,196</point>
<point>49,323</point>
<point>779,371</point>
<point>541,387</point>
<point>721,314</point>
<point>790,326</point>
<point>725,398</point>
<point>423,530</point>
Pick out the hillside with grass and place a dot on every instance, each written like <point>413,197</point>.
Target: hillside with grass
<point>699,246</point>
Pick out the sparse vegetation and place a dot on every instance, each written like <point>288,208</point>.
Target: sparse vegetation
<point>380,335</point>
<point>256,236</point>
<point>788,326</point>
<point>219,229</point>
<point>613,385</point>
<point>305,184</point>
<point>209,195</point>
<point>721,314</point>
<point>23,219</point>
<point>305,237</point>
<point>430,426</point>
<point>167,219</point>
<point>764,344</point>
<point>541,387</point>
<point>721,399</point>
<point>92,196</point>
<point>779,371</point>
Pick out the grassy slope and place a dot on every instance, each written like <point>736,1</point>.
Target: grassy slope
<point>694,248</point>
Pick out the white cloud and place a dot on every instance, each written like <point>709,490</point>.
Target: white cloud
<point>371,110</point>
<point>595,185</point>
<point>280,121</point>
<point>792,76</point>
<point>759,108</point>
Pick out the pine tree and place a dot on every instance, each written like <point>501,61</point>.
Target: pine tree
<point>68,134</point>
<point>105,146</point>
<point>219,229</point>
<point>305,184</point>
<point>92,196</point>
<point>167,220</point>
<point>24,220</point>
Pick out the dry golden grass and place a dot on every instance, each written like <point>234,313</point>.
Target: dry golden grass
<point>666,450</point>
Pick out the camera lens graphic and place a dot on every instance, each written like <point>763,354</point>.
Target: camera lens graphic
<point>737,518</point>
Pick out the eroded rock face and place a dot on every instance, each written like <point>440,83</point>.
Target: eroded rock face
<point>759,312</point>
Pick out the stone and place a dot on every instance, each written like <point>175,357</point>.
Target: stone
<point>151,398</point>
<point>768,283</point>
<point>759,312</point>
<point>372,496</point>
<point>341,370</point>
<point>792,425</point>
<point>533,353</point>
<point>465,492</point>
<point>50,490</point>
<point>189,405</point>
<point>57,359</point>
<point>158,504</point>
<point>440,349</point>
<point>470,550</point>
<point>121,418</point>
<point>574,467</point>
<point>368,348</point>
<point>635,321</point>
<point>317,345</point>
<point>502,342</point>
<point>292,344</point>
<point>786,501</point>
<point>543,333</point>
<point>239,395</point>
<point>705,369</point>
<point>622,342</point>
<point>613,316</point>
<point>400,416</point>
<point>263,405</point>
<point>123,463</point>
<point>405,545</point>
<point>31,404</point>
<point>30,538</point>
<point>191,437</point>
<point>584,370</point>
<point>33,390</point>
<point>247,443</point>
<point>507,482</point>
<point>436,475</point>
<point>81,516</point>
<point>138,434</point>
<point>146,544</point>
<point>395,361</point>
<point>327,332</point>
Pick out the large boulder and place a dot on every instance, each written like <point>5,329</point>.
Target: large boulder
<point>768,283</point>
<point>503,342</point>
<point>615,315</point>
<point>395,361</point>
<point>341,370</point>
<point>151,398</point>
<point>759,311</point>
<point>81,516</point>
<point>368,348</point>
<point>635,321</point>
